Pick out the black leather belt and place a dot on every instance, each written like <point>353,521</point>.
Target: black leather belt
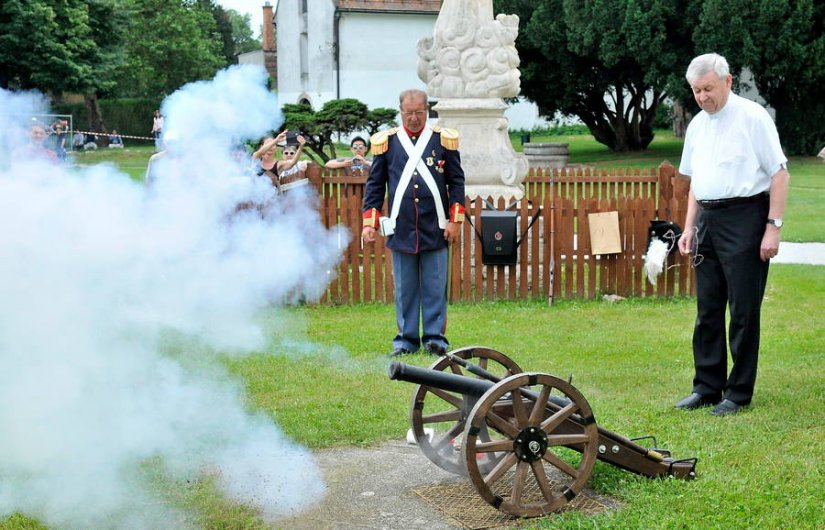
<point>724,203</point>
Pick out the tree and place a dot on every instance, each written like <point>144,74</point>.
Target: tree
<point>242,36</point>
<point>28,38</point>
<point>75,47</point>
<point>609,62</point>
<point>782,43</point>
<point>235,30</point>
<point>168,44</point>
<point>377,118</point>
<point>337,116</point>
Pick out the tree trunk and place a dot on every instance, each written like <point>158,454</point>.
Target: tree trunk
<point>614,129</point>
<point>95,116</point>
<point>680,120</point>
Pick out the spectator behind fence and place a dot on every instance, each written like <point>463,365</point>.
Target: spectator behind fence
<point>357,162</point>
<point>115,141</point>
<point>286,173</point>
<point>157,130</point>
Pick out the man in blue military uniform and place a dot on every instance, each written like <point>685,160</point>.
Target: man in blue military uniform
<point>420,168</point>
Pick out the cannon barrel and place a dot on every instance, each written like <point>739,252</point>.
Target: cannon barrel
<point>442,380</point>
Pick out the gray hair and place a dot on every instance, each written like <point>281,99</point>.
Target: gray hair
<point>703,64</point>
<point>412,93</point>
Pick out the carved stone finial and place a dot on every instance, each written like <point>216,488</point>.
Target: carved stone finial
<point>470,55</point>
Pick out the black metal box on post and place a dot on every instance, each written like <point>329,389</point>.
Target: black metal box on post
<point>499,240</point>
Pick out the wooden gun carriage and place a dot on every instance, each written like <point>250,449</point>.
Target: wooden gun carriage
<point>527,440</point>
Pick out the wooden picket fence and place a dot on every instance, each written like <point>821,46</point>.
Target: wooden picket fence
<point>554,258</point>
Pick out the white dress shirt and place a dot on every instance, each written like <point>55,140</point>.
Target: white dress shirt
<point>732,153</point>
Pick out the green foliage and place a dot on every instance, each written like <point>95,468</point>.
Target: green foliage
<point>559,129</point>
<point>59,45</point>
<point>224,27</point>
<point>783,44</point>
<point>575,54</point>
<point>234,29</point>
<point>242,37</point>
<point>380,117</point>
<point>337,116</point>
<point>168,44</point>
<point>664,116</point>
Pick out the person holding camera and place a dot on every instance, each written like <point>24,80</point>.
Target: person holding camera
<point>357,162</point>
<point>288,172</point>
<point>419,167</point>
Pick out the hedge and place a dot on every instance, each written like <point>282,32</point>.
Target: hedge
<point>130,116</point>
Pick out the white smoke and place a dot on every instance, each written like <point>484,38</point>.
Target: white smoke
<point>116,302</point>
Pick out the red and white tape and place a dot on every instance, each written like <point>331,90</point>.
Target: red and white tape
<point>121,135</point>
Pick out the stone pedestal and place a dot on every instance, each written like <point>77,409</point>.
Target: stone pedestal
<point>547,155</point>
<point>491,166</point>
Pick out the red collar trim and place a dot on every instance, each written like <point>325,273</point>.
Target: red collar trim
<point>412,134</point>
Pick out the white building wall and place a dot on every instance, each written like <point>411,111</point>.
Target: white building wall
<point>321,51</point>
<point>305,52</point>
<point>378,57</point>
<point>254,57</point>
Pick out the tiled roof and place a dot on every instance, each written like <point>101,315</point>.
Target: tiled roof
<point>418,6</point>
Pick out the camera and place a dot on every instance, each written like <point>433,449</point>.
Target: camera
<point>292,137</point>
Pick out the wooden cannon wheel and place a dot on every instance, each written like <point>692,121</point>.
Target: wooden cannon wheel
<point>446,412</point>
<point>534,437</point>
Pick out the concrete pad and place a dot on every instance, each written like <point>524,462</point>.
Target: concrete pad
<point>803,253</point>
<point>371,488</point>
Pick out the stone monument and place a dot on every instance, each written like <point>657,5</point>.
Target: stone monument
<point>470,64</point>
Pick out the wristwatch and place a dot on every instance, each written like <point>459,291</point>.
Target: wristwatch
<point>776,222</point>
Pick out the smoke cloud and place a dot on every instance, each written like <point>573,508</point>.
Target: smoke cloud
<point>117,302</point>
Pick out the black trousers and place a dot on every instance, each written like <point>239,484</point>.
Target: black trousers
<point>730,276</point>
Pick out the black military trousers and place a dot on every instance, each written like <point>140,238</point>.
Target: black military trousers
<point>729,275</point>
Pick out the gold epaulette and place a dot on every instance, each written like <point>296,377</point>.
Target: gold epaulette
<point>436,128</point>
<point>449,139</point>
<point>380,141</point>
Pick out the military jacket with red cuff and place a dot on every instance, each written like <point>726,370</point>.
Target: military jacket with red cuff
<point>416,228</point>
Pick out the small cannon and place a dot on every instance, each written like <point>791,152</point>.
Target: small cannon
<point>527,440</point>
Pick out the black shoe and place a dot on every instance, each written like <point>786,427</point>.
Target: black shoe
<point>695,401</point>
<point>435,349</point>
<point>726,408</point>
<point>400,352</point>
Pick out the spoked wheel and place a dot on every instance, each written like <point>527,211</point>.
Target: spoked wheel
<point>446,412</point>
<point>549,450</point>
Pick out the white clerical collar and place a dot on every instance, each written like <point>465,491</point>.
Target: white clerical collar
<point>724,110</point>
